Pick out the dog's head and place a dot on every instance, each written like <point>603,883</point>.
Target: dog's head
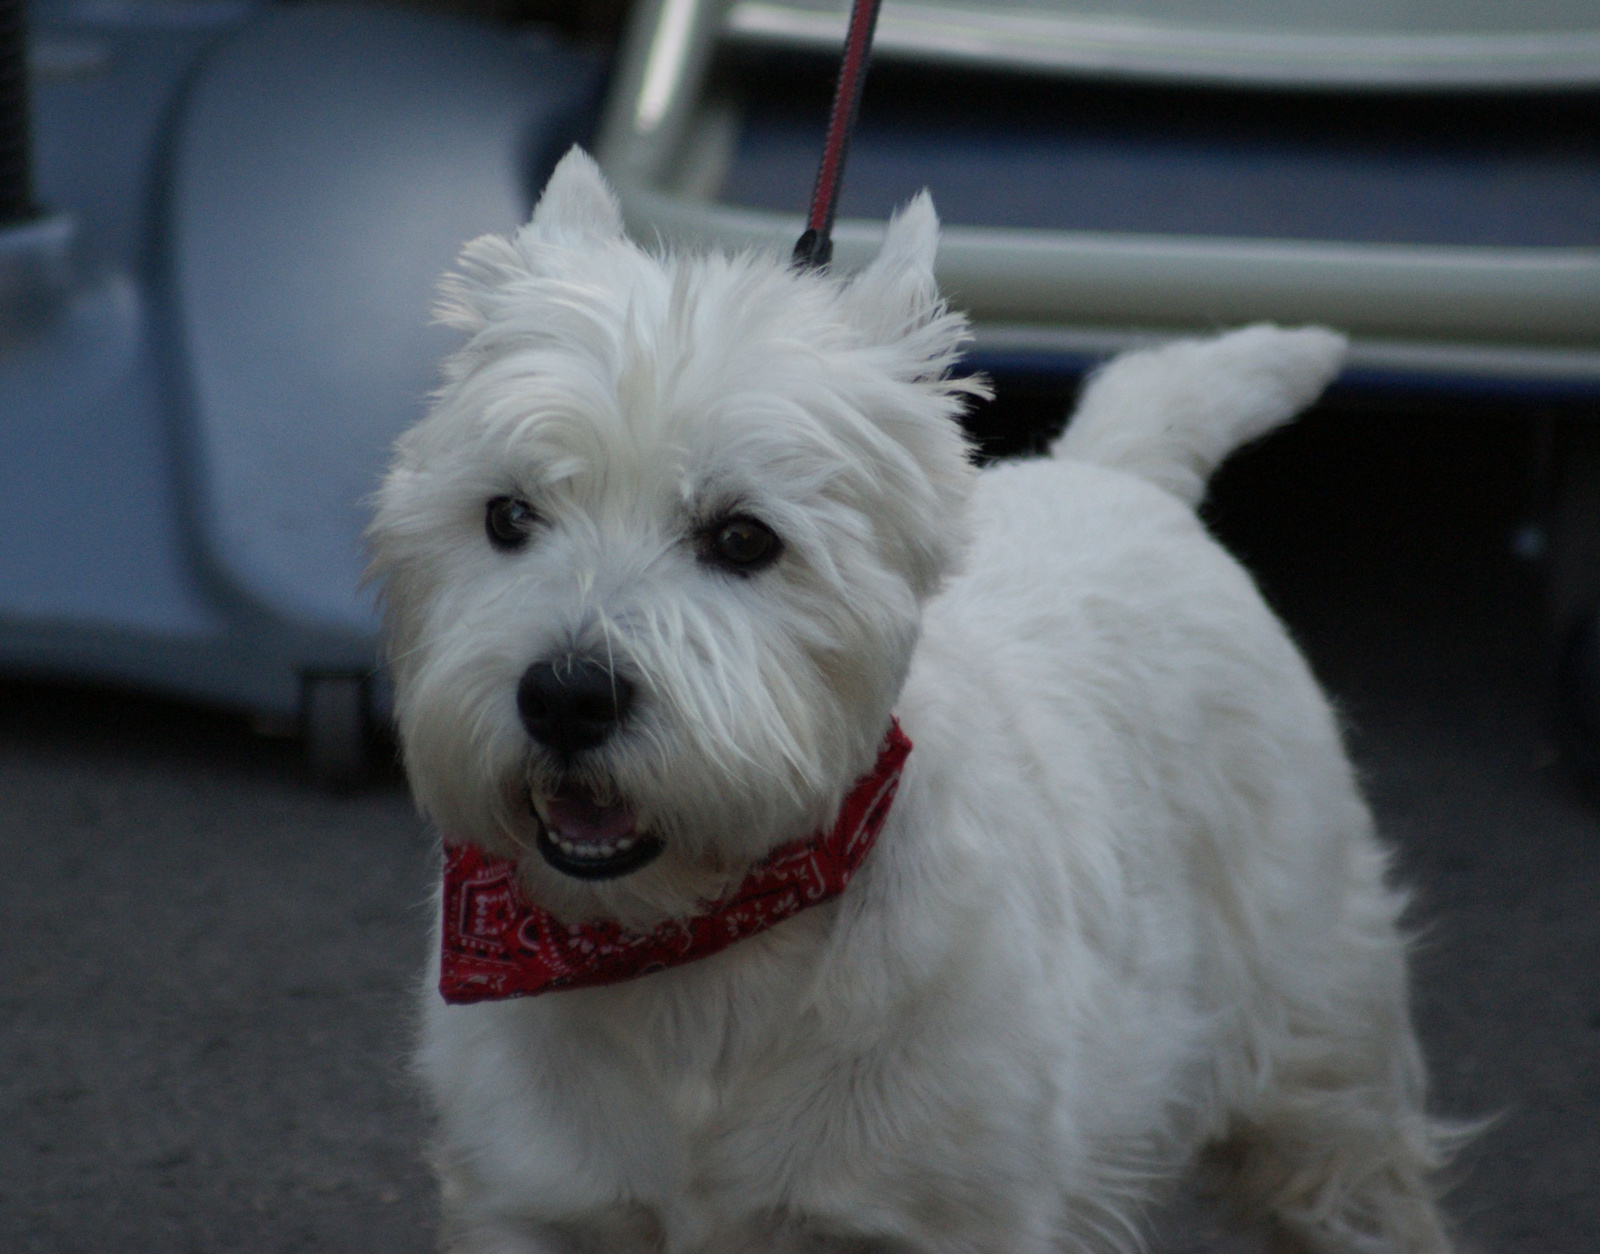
<point>654,563</point>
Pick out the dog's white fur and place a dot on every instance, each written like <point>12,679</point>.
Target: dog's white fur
<point>1129,906</point>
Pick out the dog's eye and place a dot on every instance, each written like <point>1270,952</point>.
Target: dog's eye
<point>741,543</point>
<point>508,521</point>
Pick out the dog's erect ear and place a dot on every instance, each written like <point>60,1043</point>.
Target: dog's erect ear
<point>577,203</point>
<point>577,208</point>
<point>896,303</point>
<point>896,294</point>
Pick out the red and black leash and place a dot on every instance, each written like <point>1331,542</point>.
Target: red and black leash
<point>815,248</point>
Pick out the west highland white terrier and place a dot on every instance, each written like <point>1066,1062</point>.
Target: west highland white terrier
<point>910,858</point>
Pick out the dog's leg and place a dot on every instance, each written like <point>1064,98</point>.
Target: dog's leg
<point>466,1233</point>
<point>496,1238</point>
<point>470,1227</point>
<point>1330,1148</point>
<point>500,1236</point>
<point>1369,1194</point>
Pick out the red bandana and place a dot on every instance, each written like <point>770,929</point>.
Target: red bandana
<point>498,945</point>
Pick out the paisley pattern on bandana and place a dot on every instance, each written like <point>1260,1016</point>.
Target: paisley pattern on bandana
<point>497,945</point>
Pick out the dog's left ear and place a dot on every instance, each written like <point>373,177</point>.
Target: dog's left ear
<point>896,295</point>
<point>896,303</point>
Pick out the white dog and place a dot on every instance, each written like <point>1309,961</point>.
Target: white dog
<point>681,537</point>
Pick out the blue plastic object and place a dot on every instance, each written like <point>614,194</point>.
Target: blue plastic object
<point>208,348</point>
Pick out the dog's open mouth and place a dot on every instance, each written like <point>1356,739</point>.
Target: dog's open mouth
<point>582,838</point>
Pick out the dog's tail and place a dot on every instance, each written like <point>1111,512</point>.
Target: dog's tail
<point>1173,414</point>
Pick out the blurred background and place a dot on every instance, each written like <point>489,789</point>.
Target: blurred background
<point>220,225</point>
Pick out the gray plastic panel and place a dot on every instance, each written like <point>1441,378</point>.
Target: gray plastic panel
<point>90,534</point>
<point>330,165</point>
<point>86,505</point>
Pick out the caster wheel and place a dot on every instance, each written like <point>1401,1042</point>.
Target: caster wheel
<point>337,729</point>
<point>1578,695</point>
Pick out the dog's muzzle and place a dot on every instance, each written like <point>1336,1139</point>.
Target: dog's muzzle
<point>569,705</point>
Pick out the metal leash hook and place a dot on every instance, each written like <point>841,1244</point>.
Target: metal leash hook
<point>814,249</point>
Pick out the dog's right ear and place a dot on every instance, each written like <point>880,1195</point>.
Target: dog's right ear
<point>577,205</point>
<point>577,208</point>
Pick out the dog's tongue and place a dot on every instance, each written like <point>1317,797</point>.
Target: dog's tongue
<point>576,817</point>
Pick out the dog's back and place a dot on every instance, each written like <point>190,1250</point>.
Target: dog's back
<point>1183,736</point>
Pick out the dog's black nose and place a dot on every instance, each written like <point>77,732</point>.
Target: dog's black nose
<point>572,704</point>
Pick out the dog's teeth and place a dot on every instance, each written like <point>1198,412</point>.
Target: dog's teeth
<point>573,849</point>
<point>592,852</point>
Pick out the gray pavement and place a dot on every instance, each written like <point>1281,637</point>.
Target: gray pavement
<point>206,964</point>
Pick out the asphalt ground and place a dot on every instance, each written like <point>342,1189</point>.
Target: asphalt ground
<point>207,965</point>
